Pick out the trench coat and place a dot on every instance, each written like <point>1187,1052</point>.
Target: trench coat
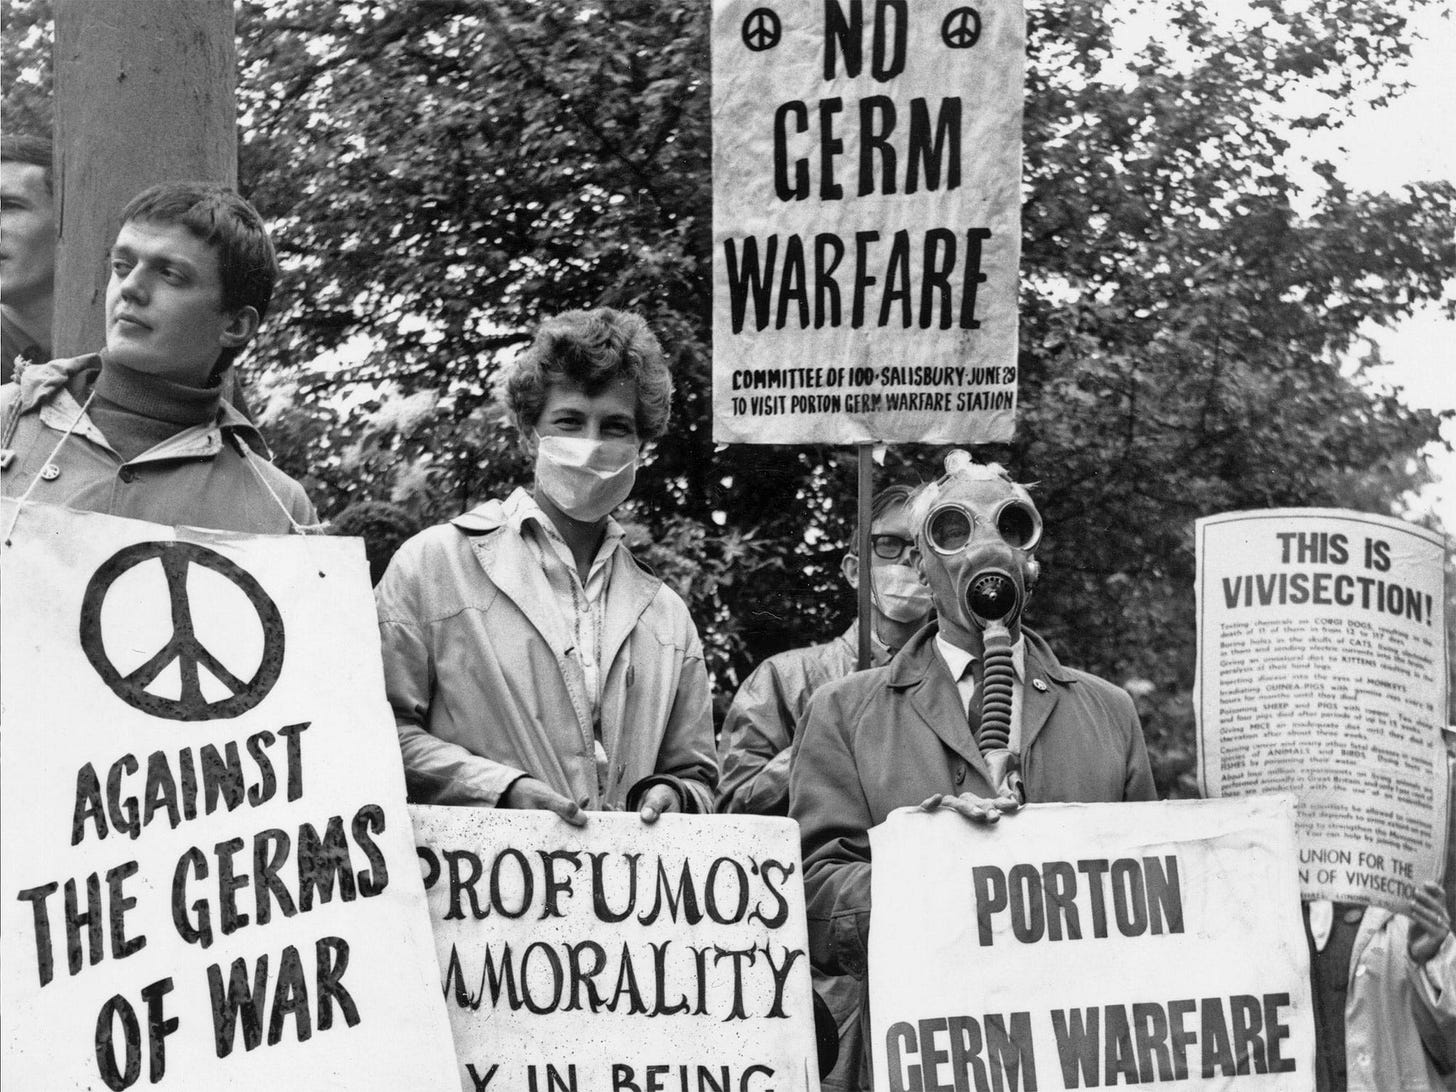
<point>892,736</point>
<point>486,686</point>
<point>754,748</point>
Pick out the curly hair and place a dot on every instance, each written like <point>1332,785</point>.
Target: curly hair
<point>592,349</point>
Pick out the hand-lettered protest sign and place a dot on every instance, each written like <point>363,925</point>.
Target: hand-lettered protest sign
<point>866,220</point>
<point>208,872</point>
<point>1089,945</point>
<point>621,957</point>
<point>1322,672</point>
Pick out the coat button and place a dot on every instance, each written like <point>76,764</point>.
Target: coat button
<point>1040,684</point>
<point>50,472</point>
<point>960,775</point>
<point>127,474</point>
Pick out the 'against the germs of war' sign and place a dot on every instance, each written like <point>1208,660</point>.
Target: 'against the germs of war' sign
<point>621,957</point>
<point>1322,672</point>
<point>208,871</point>
<point>1090,945</point>
<point>866,220</point>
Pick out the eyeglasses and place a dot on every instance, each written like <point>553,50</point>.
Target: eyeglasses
<point>949,527</point>
<point>890,547</point>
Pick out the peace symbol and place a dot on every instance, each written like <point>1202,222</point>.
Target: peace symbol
<point>183,646</point>
<point>762,29</point>
<point>961,28</point>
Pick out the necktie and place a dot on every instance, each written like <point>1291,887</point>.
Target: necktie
<point>973,710</point>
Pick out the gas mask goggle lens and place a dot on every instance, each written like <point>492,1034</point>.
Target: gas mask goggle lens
<point>950,527</point>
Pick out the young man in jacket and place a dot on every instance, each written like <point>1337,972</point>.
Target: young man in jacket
<point>922,730</point>
<point>142,429</point>
<point>531,661</point>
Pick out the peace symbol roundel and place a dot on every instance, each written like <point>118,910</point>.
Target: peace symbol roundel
<point>961,28</point>
<point>183,648</point>
<point>762,29</point>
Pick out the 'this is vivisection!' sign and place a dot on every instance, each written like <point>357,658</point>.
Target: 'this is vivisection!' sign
<point>1090,945</point>
<point>621,957</point>
<point>207,877</point>
<point>866,220</point>
<point>1322,673</point>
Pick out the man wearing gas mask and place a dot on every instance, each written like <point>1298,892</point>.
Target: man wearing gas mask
<point>976,713</point>
<point>530,660</point>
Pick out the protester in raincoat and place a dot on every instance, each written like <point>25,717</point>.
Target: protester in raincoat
<point>531,660</point>
<point>975,713</point>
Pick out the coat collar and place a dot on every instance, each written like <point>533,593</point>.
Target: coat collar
<point>512,568</point>
<point>922,675</point>
<point>848,644</point>
<point>57,389</point>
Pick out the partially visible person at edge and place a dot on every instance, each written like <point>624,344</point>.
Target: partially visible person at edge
<point>141,429</point>
<point>27,251</point>
<point>912,733</point>
<point>758,731</point>
<point>531,660</point>
<point>1384,992</point>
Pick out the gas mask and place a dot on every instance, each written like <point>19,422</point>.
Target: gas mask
<point>977,531</point>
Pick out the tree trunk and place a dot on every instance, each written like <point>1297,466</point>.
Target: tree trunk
<point>145,92</point>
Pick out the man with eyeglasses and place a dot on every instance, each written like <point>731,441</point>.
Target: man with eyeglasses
<point>758,732</point>
<point>975,713</point>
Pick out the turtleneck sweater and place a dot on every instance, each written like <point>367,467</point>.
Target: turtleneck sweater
<point>136,411</point>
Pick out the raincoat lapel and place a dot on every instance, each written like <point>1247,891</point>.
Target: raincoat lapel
<point>933,695</point>
<point>629,593</point>
<point>1037,702</point>
<point>512,568</point>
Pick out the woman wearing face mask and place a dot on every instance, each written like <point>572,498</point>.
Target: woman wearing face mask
<point>531,662</point>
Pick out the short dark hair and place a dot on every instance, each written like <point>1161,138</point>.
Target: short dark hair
<point>220,218</point>
<point>592,349</point>
<point>35,150</point>
<point>892,496</point>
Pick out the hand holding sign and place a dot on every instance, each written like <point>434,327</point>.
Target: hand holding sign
<point>529,793</point>
<point>978,809</point>
<point>1430,923</point>
<point>657,800</point>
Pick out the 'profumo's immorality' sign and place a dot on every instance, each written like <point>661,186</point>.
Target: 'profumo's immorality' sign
<point>866,220</point>
<point>621,957</point>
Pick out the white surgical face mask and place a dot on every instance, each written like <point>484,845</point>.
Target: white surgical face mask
<point>899,593</point>
<point>586,479</point>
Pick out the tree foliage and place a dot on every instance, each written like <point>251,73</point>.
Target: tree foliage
<point>441,173</point>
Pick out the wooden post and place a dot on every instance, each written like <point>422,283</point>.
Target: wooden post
<point>866,489</point>
<point>146,91</point>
